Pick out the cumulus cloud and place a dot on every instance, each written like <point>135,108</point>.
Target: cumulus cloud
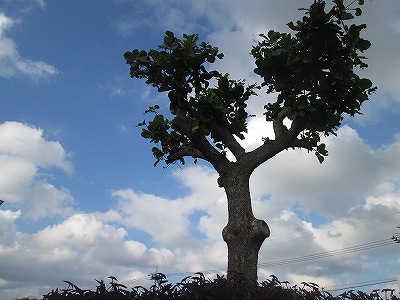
<point>47,200</point>
<point>169,15</point>
<point>351,172</point>
<point>11,62</point>
<point>352,198</point>
<point>29,143</point>
<point>24,154</point>
<point>59,251</point>
<point>8,229</point>
<point>150,213</point>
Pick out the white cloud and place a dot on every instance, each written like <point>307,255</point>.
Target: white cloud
<point>81,248</point>
<point>82,230</point>
<point>24,154</point>
<point>170,15</point>
<point>351,172</point>
<point>8,229</point>
<point>384,36</point>
<point>150,213</point>
<point>127,27</point>
<point>27,143</point>
<point>108,216</point>
<point>355,189</point>
<point>12,64</point>
<point>47,200</point>
<point>16,176</point>
<point>115,90</point>
<point>320,280</point>
<point>41,3</point>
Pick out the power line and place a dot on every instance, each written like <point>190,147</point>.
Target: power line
<point>396,236</point>
<point>287,241</point>
<point>337,252</point>
<point>336,228</point>
<point>292,240</point>
<point>321,255</point>
<point>343,251</point>
<point>137,280</point>
<point>326,254</point>
<point>359,284</point>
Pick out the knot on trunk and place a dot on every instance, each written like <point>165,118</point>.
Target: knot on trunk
<point>253,233</point>
<point>220,182</point>
<point>260,230</point>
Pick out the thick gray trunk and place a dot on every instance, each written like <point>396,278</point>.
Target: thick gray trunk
<point>244,234</point>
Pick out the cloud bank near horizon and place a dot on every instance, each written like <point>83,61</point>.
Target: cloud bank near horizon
<point>361,206</point>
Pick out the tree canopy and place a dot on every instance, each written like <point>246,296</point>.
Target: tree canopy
<point>310,70</point>
<point>312,73</point>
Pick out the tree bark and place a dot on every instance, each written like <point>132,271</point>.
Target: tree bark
<point>244,234</point>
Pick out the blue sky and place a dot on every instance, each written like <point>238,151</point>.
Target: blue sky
<point>83,200</point>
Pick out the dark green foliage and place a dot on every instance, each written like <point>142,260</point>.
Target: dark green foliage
<point>313,70</point>
<point>200,288</point>
<point>178,67</point>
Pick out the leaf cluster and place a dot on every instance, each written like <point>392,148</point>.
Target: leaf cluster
<point>225,105</point>
<point>199,287</point>
<point>162,132</point>
<point>115,291</point>
<point>312,71</point>
<point>178,67</point>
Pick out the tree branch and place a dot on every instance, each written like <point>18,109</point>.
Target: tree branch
<point>222,134</point>
<point>205,150</point>
<point>298,125</point>
<point>302,143</point>
<point>286,138</point>
<point>277,123</point>
<point>227,138</point>
<point>184,152</point>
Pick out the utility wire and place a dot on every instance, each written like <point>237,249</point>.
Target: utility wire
<point>136,280</point>
<point>330,253</point>
<point>358,284</point>
<point>291,240</point>
<point>343,251</point>
<point>336,228</point>
<point>337,252</point>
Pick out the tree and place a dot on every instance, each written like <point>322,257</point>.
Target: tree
<point>311,72</point>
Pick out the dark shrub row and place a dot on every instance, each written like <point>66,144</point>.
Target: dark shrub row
<point>200,288</point>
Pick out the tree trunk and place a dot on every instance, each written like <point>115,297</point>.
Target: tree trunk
<point>244,234</point>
